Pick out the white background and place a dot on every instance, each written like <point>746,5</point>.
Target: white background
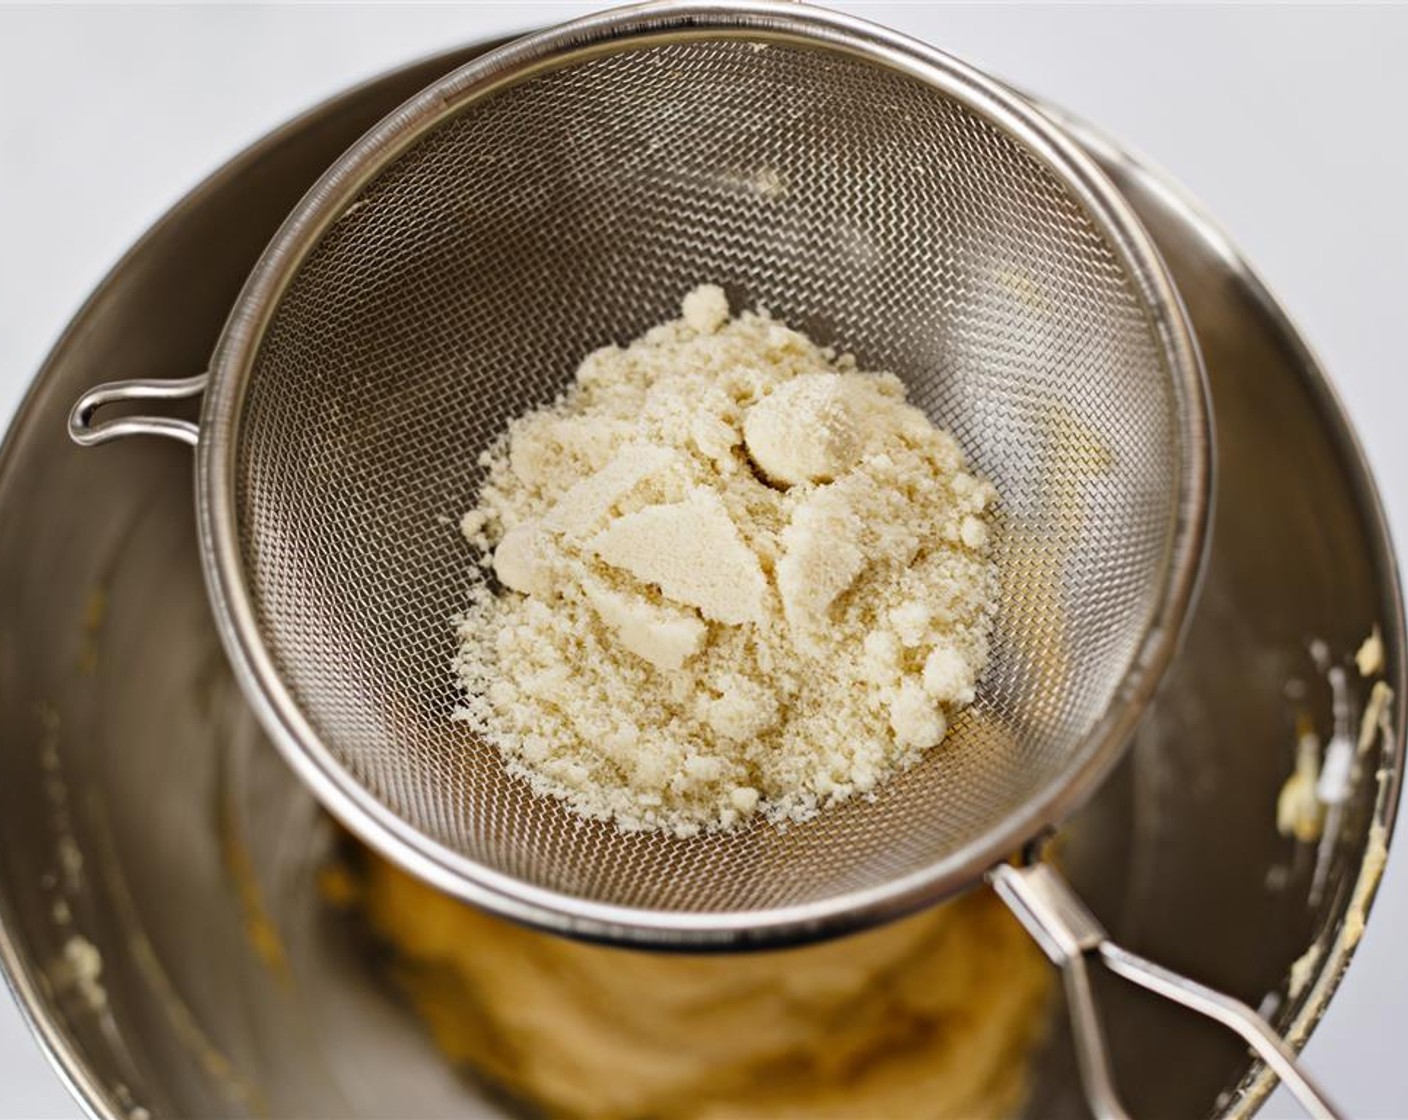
<point>1287,122</point>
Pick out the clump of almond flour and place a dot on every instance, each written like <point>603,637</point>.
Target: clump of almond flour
<point>738,576</point>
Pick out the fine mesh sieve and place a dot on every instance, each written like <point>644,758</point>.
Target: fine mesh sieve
<point>475,251</point>
<point>453,268</point>
<point>563,193</point>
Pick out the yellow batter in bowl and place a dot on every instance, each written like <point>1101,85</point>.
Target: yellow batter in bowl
<point>933,1016</point>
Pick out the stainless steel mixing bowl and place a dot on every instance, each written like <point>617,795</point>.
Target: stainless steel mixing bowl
<point>142,813</point>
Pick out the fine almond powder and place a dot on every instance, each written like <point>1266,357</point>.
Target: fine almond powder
<point>737,576</point>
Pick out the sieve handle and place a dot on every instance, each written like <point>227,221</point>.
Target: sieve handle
<point>82,430</point>
<point>1071,936</point>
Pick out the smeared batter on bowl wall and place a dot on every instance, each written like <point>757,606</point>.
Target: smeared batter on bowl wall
<point>930,1017</point>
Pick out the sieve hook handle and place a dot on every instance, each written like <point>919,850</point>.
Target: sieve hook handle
<point>83,431</point>
<point>1072,937</point>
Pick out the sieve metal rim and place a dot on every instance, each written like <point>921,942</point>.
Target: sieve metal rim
<point>608,32</point>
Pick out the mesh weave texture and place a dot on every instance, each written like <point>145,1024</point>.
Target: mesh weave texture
<point>575,208</point>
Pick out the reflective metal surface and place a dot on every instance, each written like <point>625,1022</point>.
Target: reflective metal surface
<point>141,810</point>
<point>83,431</point>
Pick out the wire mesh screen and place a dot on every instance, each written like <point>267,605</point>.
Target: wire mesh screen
<point>574,209</point>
